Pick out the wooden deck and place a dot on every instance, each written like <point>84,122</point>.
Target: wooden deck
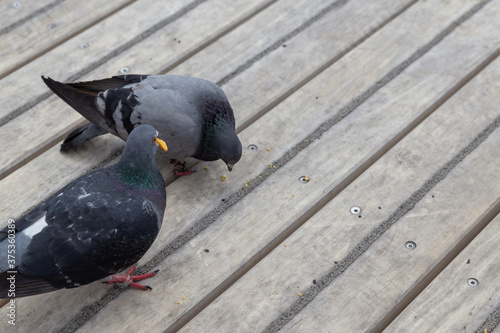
<point>390,108</point>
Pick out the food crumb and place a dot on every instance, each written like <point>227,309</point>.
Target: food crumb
<point>165,291</point>
<point>306,178</point>
<point>206,168</point>
<point>284,245</point>
<point>300,294</point>
<point>293,195</point>
<point>184,297</point>
<point>268,149</point>
<point>178,302</point>
<point>223,178</point>
<point>91,291</point>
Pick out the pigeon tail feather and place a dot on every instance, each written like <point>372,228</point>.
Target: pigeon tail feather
<point>81,135</point>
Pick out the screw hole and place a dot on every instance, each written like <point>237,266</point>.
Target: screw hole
<point>84,46</point>
<point>16,4</point>
<point>124,70</point>
<point>355,210</point>
<point>252,147</point>
<point>473,282</point>
<point>411,245</point>
<point>304,179</point>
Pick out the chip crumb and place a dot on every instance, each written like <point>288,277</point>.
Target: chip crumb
<point>300,294</point>
<point>284,245</point>
<point>91,291</point>
<point>206,168</point>
<point>184,297</point>
<point>268,149</point>
<point>165,291</point>
<point>293,195</point>
<point>223,178</point>
<point>306,178</point>
<point>178,302</point>
<point>249,171</point>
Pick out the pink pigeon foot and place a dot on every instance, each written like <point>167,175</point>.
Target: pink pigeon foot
<point>180,168</point>
<point>130,279</point>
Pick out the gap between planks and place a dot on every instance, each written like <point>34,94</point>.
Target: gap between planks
<point>144,34</point>
<point>28,17</point>
<point>46,145</point>
<point>64,39</point>
<point>440,266</point>
<point>326,199</point>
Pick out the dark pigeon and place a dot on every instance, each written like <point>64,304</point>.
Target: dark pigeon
<point>193,115</point>
<point>96,226</point>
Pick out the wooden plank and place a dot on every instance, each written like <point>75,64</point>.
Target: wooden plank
<point>215,14</point>
<point>370,288</point>
<point>23,87</point>
<point>202,195</point>
<point>38,125</point>
<point>14,13</point>
<point>244,230</point>
<point>41,186</point>
<point>73,300</point>
<point>248,85</point>
<point>50,28</point>
<point>272,286</point>
<point>449,303</point>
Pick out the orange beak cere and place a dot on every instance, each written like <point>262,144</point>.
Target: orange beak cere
<point>161,143</point>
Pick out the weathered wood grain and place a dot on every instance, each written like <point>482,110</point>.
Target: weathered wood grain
<point>274,284</point>
<point>13,13</point>
<point>50,28</point>
<point>449,303</point>
<point>248,83</point>
<point>243,230</point>
<point>371,287</point>
<point>68,59</point>
<point>39,124</point>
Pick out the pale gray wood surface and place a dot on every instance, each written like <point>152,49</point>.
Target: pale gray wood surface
<point>50,28</point>
<point>450,303</point>
<point>291,69</point>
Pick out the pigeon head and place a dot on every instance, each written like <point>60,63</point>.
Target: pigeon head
<point>137,166</point>
<point>225,143</point>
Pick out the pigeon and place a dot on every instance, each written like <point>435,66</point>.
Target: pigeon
<point>94,227</point>
<point>193,114</point>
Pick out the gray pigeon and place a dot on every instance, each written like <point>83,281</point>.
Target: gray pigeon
<point>96,226</point>
<point>193,115</point>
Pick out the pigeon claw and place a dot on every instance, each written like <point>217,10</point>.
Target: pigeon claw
<point>180,168</point>
<point>131,280</point>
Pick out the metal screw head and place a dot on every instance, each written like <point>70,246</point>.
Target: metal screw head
<point>473,282</point>
<point>84,46</point>
<point>355,210</point>
<point>124,70</point>
<point>411,245</point>
<point>304,179</point>
<point>252,147</point>
<point>16,4</point>
<point>52,26</point>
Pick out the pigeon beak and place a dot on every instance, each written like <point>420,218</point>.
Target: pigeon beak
<point>161,143</point>
<point>230,166</point>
